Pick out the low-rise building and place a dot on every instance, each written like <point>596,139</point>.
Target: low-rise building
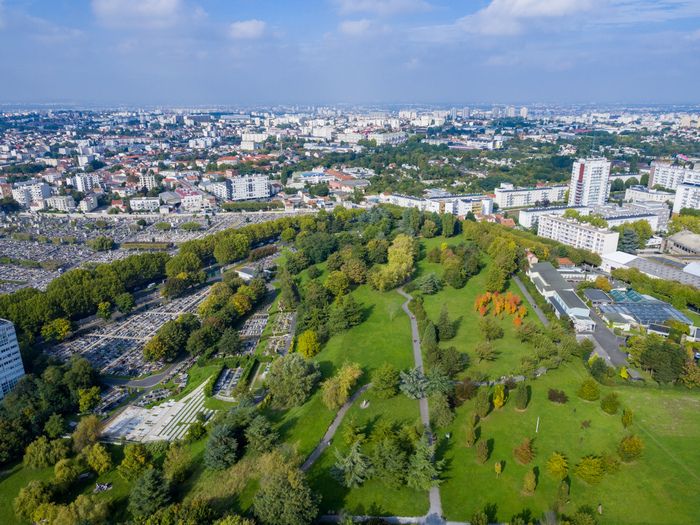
<point>508,196</point>
<point>683,243</point>
<point>149,204</point>
<point>64,203</point>
<point>529,217</point>
<point>88,203</point>
<point>643,194</point>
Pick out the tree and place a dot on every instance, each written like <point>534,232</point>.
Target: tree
<point>590,469</point>
<point>630,448</point>
<point>177,463</point>
<point>495,279</point>
<point>136,461</point>
<point>482,451</point>
<point>627,417</point>
<point>353,469</point>
<point>485,351</point>
<point>610,403</point>
<point>285,499</point>
<point>628,241</point>
<point>413,384</point>
<point>87,432</point>
<point>222,447</point>
<point>499,396</point>
<point>336,390</point>
<point>98,458</point>
<point>423,470</point>
<point>390,461</point>
<point>55,426</point>
<point>149,493</point>
<point>385,381</point>
<point>124,302</point>
<point>558,466</point>
<point>42,453</point>
<point>66,471</point>
<point>522,396</point>
<point>290,380</point>
<point>498,468</point>
<point>490,330</point>
<point>429,339</point>
<point>430,284</point>
<point>56,330</point>
<point>524,453</point>
<point>307,344</point>
<point>260,435</point>
<point>471,435</point>
<point>446,327</point>
<point>529,483</point>
<point>589,390</point>
<point>88,398</point>
<point>345,312</point>
<point>441,413</point>
<point>602,283</point>
<point>30,497</point>
<point>229,342</point>
<point>483,402</point>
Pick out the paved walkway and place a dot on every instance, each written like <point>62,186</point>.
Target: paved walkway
<point>531,300</point>
<point>435,512</point>
<point>328,437</point>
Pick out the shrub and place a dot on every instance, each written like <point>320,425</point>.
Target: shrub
<point>529,483</point>
<point>465,390</point>
<point>590,469</point>
<point>589,390</point>
<point>470,438</point>
<point>627,417</point>
<point>522,396</point>
<point>610,464</point>
<point>524,453</point>
<point>482,451</point>
<point>630,448</point>
<point>558,465</point>
<point>610,403</point>
<point>499,396</point>
<point>557,396</point>
<point>483,402</point>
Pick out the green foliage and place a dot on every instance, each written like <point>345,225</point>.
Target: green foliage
<point>483,402</point>
<point>529,483</point>
<point>490,329</point>
<point>627,417</point>
<point>87,432</point>
<point>101,243</point>
<point>42,453</point>
<point>291,380</point>
<point>222,447</point>
<point>136,461</point>
<point>589,390</point>
<point>590,469</point>
<point>385,381</point>
<point>423,471</point>
<point>610,403</point>
<point>55,426</point>
<point>36,493</point>
<point>88,398</point>
<point>149,493</point>
<point>522,396</point>
<point>352,469</point>
<point>558,466</point>
<point>482,451</point>
<point>285,498</point>
<point>308,344</point>
<point>98,458</point>
<point>447,328</point>
<point>260,435</point>
<point>335,391</point>
<point>630,448</point>
<point>441,413</point>
<point>177,464</point>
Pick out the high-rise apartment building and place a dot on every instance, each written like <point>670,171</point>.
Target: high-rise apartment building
<point>666,175</point>
<point>11,368</point>
<point>589,182</point>
<point>687,196</point>
<point>577,234</point>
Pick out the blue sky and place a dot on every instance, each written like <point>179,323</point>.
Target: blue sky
<point>179,52</point>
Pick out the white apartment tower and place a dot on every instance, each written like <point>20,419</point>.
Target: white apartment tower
<point>687,196</point>
<point>668,176</point>
<point>11,368</point>
<point>589,182</point>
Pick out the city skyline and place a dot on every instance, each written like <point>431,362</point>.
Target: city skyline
<point>179,52</point>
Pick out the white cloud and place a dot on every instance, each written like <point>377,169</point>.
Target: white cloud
<point>509,17</point>
<point>247,29</point>
<point>355,27</point>
<point>381,7</point>
<point>137,13</point>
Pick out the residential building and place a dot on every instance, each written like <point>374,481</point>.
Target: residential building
<point>250,187</point>
<point>589,182</point>
<point>88,203</point>
<point>61,203</point>
<point>642,194</point>
<point>561,295</point>
<point>149,204</point>
<point>687,196</point>
<point>576,234</point>
<point>27,192</point>
<point>507,196</point>
<point>148,180</point>
<point>528,218</point>
<point>85,182</point>
<point>11,367</point>
<point>668,176</point>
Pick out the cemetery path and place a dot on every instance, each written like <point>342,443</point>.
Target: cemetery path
<point>328,436</point>
<point>435,512</point>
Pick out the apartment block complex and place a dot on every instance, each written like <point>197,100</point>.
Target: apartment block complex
<point>668,176</point>
<point>507,196</point>
<point>687,196</point>
<point>11,368</point>
<point>576,234</point>
<point>589,182</point>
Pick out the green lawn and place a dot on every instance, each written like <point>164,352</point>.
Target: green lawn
<point>658,488</point>
<point>460,304</point>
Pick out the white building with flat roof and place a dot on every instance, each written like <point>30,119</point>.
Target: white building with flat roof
<point>528,218</point>
<point>61,203</point>
<point>642,194</point>
<point>11,367</point>
<point>577,234</point>
<point>687,196</point>
<point>510,197</point>
<point>668,176</point>
<point>589,182</point>
<point>149,204</point>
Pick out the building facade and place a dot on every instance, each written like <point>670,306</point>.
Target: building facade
<point>11,367</point>
<point>589,182</point>
<point>687,196</point>
<point>668,176</point>
<point>576,234</point>
<point>509,197</point>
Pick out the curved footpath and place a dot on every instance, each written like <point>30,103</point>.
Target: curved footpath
<point>435,511</point>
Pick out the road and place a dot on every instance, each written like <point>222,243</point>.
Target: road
<point>531,300</point>
<point>435,511</point>
<point>330,433</point>
<point>146,382</point>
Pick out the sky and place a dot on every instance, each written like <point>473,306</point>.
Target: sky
<point>260,52</point>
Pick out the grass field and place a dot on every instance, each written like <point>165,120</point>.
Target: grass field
<point>658,488</point>
<point>460,304</point>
